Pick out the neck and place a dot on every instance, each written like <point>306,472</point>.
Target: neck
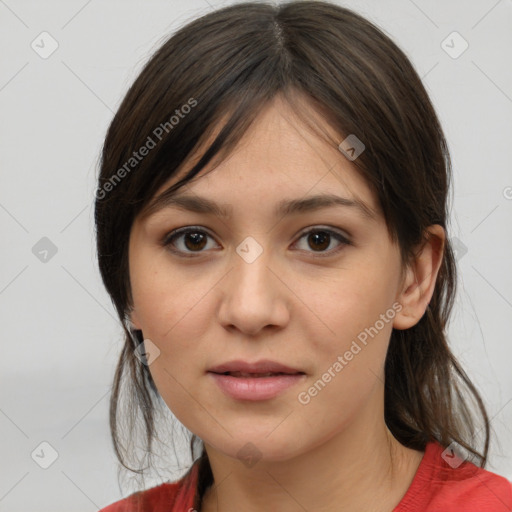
<point>362,468</point>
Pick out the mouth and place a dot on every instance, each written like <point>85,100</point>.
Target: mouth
<point>248,375</point>
<point>261,368</point>
<point>263,380</point>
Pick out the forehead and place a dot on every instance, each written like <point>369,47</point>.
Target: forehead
<point>279,156</point>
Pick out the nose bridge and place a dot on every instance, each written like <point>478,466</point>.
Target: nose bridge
<point>253,297</point>
<point>252,272</point>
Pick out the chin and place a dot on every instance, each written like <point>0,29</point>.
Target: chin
<point>251,449</point>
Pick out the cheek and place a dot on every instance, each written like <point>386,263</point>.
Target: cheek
<point>350,304</point>
<point>174,309</point>
<point>349,339</point>
<point>350,356</point>
<point>165,298</point>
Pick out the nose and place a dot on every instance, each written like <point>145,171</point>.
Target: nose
<point>254,297</point>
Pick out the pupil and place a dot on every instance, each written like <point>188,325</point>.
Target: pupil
<point>196,239</point>
<point>322,237</point>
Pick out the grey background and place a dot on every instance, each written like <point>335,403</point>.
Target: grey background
<point>60,338</point>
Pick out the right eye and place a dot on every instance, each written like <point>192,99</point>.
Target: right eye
<point>186,241</point>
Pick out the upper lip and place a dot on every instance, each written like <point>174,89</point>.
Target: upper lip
<point>262,366</point>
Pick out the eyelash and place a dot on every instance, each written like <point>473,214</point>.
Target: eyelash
<point>167,242</point>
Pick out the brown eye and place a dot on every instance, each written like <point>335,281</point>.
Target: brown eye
<point>194,241</point>
<point>319,240</point>
<point>187,241</point>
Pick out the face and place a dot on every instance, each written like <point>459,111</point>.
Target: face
<point>313,289</point>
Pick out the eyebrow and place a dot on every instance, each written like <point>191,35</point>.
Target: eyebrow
<point>285,207</point>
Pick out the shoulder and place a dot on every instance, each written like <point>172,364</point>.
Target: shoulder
<point>445,483</point>
<point>167,497</point>
<point>469,485</point>
<point>155,499</point>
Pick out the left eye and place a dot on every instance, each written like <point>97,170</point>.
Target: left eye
<point>194,240</point>
<point>320,239</point>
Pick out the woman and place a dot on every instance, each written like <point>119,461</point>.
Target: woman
<point>271,220</point>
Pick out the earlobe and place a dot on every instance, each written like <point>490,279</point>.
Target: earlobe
<point>420,279</point>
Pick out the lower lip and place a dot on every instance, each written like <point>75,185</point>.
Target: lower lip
<point>255,388</point>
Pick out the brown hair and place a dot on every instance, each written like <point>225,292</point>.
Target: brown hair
<point>227,65</point>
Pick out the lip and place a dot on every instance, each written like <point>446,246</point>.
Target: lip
<point>255,388</point>
<point>261,366</point>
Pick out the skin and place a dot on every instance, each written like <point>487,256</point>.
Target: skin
<point>290,305</point>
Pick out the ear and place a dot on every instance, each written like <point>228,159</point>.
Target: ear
<point>419,282</point>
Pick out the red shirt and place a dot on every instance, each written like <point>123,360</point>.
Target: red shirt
<point>436,487</point>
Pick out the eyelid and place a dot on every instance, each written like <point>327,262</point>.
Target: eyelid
<point>166,241</point>
<point>343,237</point>
<point>329,229</point>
